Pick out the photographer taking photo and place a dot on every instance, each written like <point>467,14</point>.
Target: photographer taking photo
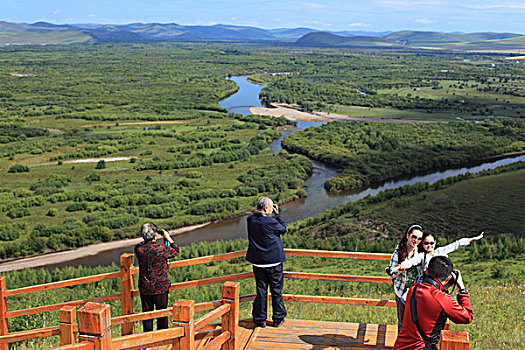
<point>428,306</point>
<point>266,253</point>
<point>154,282</point>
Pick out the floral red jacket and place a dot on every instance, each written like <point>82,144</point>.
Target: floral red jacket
<point>153,266</point>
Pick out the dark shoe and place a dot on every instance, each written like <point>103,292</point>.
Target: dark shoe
<point>278,323</point>
<point>260,324</point>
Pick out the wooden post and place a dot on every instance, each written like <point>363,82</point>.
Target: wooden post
<point>126,286</point>
<point>183,316</point>
<point>454,340</point>
<point>68,325</point>
<point>230,321</point>
<point>4,329</point>
<point>94,325</point>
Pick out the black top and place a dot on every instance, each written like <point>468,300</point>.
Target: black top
<point>264,236</point>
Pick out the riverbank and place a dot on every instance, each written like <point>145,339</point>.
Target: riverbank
<point>82,252</point>
<point>282,110</point>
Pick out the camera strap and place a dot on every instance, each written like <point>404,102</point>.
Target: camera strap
<point>415,320</point>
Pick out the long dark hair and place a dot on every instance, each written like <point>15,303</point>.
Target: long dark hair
<point>421,246</point>
<point>402,251</point>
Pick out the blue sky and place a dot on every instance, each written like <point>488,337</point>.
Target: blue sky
<point>334,15</point>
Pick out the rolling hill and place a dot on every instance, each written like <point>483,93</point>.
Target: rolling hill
<point>43,33</point>
<point>323,39</point>
<point>417,37</point>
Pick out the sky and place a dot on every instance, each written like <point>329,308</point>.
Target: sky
<point>332,15</point>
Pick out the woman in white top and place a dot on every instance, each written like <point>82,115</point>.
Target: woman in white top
<point>428,249</point>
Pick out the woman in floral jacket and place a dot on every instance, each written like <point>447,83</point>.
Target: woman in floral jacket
<point>154,282</point>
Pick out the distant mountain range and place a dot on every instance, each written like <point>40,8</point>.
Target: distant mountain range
<point>41,33</point>
<point>144,32</point>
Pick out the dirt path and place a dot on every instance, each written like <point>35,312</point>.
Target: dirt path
<point>87,160</point>
<point>136,123</point>
<point>280,110</point>
<point>60,257</point>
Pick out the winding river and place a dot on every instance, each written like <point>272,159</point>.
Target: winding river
<point>317,201</point>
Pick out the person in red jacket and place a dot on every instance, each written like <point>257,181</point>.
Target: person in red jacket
<point>428,306</point>
<point>154,283</point>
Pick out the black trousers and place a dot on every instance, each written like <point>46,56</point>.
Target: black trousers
<point>272,277</point>
<point>150,303</point>
<point>400,312</point>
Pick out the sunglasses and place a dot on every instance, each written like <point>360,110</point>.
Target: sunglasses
<point>429,243</point>
<point>415,237</point>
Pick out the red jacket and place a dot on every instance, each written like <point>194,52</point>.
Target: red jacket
<point>153,266</point>
<point>433,308</point>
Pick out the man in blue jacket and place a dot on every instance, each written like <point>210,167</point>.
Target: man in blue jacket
<point>266,253</point>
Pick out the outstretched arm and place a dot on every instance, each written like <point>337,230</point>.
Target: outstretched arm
<point>460,243</point>
<point>477,238</point>
<point>408,263</point>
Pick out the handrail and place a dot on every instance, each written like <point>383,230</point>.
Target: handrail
<point>61,284</point>
<point>30,334</point>
<point>148,315</point>
<point>212,316</point>
<point>54,307</point>
<point>218,341</point>
<point>212,280</point>
<point>125,320</point>
<point>333,277</point>
<point>338,300</point>
<point>337,254</point>
<point>78,346</point>
<point>147,339</point>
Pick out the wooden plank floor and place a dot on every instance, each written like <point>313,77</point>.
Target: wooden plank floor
<point>318,335</point>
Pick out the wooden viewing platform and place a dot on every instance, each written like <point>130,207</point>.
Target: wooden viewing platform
<point>89,327</point>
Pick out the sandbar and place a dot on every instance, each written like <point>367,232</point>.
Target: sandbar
<point>93,249</point>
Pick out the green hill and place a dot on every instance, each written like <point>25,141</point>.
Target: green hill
<point>43,38</point>
<point>413,37</point>
<point>323,39</point>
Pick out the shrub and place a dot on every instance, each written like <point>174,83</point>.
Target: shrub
<point>101,164</point>
<point>77,206</point>
<point>93,177</point>
<point>15,213</point>
<point>10,232</point>
<point>52,212</point>
<point>18,168</point>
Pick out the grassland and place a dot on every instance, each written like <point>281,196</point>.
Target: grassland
<point>492,268</point>
<point>495,285</point>
<point>155,105</point>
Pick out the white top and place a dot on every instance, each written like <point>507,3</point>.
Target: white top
<point>441,251</point>
<point>267,265</point>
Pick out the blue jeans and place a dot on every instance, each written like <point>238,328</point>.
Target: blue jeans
<point>272,277</point>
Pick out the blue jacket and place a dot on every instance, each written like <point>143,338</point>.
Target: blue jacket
<point>264,237</point>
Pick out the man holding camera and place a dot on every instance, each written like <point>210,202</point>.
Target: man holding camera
<point>266,253</point>
<point>428,306</point>
<point>154,282</point>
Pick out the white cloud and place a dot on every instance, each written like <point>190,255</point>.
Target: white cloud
<point>56,12</point>
<point>353,25</point>
<point>206,23</point>
<point>424,21</point>
<point>315,5</point>
<point>92,16</point>
<point>409,3</point>
<point>497,6</point>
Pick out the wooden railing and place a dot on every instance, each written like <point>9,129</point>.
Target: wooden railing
<point>182,311</point>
